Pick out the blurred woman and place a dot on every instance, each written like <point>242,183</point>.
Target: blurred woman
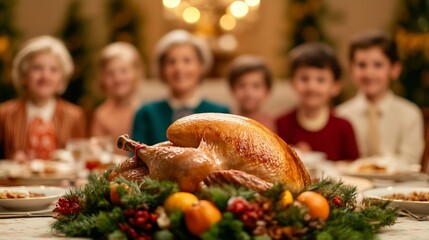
<point>121,70</point>
<point>35,124</point>
<point>181,62</point>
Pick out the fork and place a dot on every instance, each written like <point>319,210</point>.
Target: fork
<point>43,213</point>
<point>406,213</point>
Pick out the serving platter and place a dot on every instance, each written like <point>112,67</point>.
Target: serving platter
<point>416,207</point>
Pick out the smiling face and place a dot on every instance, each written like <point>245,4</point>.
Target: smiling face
<point>315,86</point>
<point>43,76</point>
<point>372,71</point>
<point>250,91</point>
<point>182,68</point>
<point>120,77</point>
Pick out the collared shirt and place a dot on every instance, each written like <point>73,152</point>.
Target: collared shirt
<point>400,126</point>
<point>183,108</point>
<point>313,124</point>
<point>192,102</point>
<point>45,112</point>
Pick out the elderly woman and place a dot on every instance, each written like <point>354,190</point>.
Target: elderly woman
<point>181,61</point>
<point>39,122</point>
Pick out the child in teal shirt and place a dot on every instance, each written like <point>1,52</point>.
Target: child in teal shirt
<point>182,61</point>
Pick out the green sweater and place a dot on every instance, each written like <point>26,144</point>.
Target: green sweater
<point>153,119</point>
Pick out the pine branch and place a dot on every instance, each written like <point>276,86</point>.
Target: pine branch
<point>220,195</point>
<point>77,226</point>
<point>227,228</point>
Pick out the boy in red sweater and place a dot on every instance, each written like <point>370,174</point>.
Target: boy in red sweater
<point>312,126</point>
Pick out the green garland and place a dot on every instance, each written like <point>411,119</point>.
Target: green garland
<point>91,212</point>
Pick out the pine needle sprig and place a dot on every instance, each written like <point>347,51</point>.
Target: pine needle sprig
<point>220,195</point>
<point>76,226</point>
<point>96,194</point>
<point>330,188</point>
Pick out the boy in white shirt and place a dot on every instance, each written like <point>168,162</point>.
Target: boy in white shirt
<point>385,124</point>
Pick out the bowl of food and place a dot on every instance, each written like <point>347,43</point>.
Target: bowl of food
<point>413,199</point>
<point>29,198</point>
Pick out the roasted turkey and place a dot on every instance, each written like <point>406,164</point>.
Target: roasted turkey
<point>213,148</point>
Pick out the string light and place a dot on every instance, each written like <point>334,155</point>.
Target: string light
<point>227,22</point>
<point>171,3</point>
<point>239,9</point>
<point>191,15</point>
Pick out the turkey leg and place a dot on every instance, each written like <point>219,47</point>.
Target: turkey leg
<point>185,165</point>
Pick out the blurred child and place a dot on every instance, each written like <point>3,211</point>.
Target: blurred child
<point>121,70</point>
<point>385,124</point>
<point>181,62</point>
<point>39,122</point>
<point>312,126</point>
<point>250,81</point>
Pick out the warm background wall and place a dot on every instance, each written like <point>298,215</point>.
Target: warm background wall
<point>266,37</point>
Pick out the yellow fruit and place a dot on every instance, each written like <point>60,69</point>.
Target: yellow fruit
<point>179,201</point>
<point>201,216</point>
<point>285,199</point>
<point>115,197</point>
<point>317,204</point>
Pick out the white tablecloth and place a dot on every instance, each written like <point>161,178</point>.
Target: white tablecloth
<point>39,228</point>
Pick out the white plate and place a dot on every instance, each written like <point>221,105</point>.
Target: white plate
<point>416,207</point>
<point>31,204</point>
<point>360,183</point>
<point>24,174</point>
<point>397,176</point>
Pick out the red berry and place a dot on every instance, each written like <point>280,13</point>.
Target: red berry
<point>132,233</point>
<point>253,215</point>
<point>153,217</point>
<point>147,226</point>
<point>129,212</point>
<point>140,221</point>
<point>143,214</point>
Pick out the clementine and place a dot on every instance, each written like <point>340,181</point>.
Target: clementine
<point>201,216</point>
<point>317,204</point>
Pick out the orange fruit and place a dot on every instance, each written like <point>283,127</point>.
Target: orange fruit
<point>201,216</point>
<point>179,201</point>
<point>115,197</point>
<point>317,204</point>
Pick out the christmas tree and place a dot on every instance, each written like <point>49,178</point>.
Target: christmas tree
<point>305,18</point>
<point>8,36</point>
<point>74,34</point>
<point>412,36</point>
<point>125,22</point>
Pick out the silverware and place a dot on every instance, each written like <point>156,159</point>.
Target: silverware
<point>406,213</point>
<point>44,213</point>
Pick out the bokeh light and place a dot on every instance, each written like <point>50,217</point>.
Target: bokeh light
<point>227,42</point>
<point>171,3</point>
<point>191,15</point>
<point>252,3</point>
<point>227,22</point>
<point>239,9</point>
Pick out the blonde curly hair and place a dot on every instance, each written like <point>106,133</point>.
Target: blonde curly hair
<point>38,45</point>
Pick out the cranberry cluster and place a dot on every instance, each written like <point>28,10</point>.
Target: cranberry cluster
<point>140,223</point>
<point>248,213</point>
<point>68,206</point>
